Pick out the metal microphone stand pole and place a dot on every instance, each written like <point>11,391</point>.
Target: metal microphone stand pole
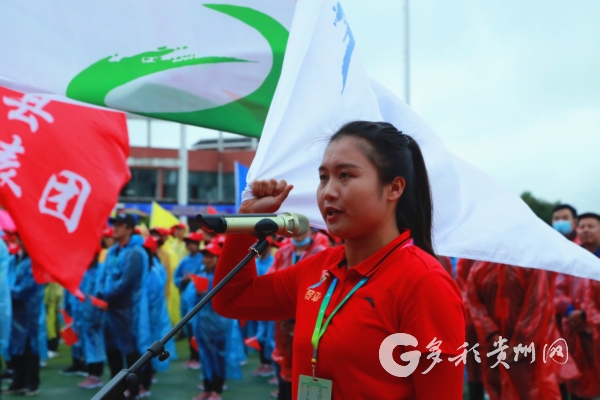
<point>127,378</point>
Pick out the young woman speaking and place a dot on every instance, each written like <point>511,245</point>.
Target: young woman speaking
<point>373,193</point>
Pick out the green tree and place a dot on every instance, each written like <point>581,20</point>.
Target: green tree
<point>541,208</point>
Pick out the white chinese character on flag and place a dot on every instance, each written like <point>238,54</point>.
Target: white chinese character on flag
<point>64,198</point>
<point>9,163</point>
<point>27,108</point>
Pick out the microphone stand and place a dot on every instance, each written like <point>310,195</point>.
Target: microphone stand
<point>127,378</point>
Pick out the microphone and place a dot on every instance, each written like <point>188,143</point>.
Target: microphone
<point>285,224</point>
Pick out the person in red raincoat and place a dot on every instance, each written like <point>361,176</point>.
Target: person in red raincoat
<point>446,263</point>
<point>575,301</point>
<point>589,228</point>
<point>474,373</point>
<point>564,220</point>
<point>511,306</point>
<point>297,249</point>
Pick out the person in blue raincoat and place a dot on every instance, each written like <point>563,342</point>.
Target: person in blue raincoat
<point>215,334</point>
<point>122,286</point>
<point>87,321</point>
<point>191,264</point>
<point>158,313</point>
<point>5,303</point>
<point>265,329</point>
<point>77,367</point>
<point>27,300</point>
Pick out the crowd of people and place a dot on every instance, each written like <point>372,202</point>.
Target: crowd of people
<point>140,283</point>
<point>536,309</point>
<point>138,286</point>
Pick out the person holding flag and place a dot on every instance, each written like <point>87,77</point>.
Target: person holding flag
<point>27,300</point>
<point>122,286</point>
<point>374,193</point>
<point>214,333</point>
<point>191,264</point>
<point>77,367</point>
<point>88,318</point>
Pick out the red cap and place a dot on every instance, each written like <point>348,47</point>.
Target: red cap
<point>137,231</point>
<point>179,225</point>
<point>13,248</point>
<point>194,237</point>
<point>219,239</point>
<point>108,232</point>
<point>213,249</point>
<point>161,231</point>
<point>151,243</point>
<point>279,241</point>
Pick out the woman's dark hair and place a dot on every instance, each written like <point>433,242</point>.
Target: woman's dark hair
<point>396,154</point>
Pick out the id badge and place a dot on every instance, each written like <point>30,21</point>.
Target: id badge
<point>314,389</point>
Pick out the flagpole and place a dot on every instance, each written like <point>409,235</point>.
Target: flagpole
<point>182,184</point>
<point>220,169</point>
<point>406,53</point>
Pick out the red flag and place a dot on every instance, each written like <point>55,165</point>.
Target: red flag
<point>98,303</point>
<point>252,342</point>
<point>68,335</point>
<point>62,166</point>
<point>66,317</point>
<point>211,210</point>
<point>194,343</point>
<point>200,282</point>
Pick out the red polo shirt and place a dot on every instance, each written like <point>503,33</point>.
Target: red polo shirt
<point>408,291</point>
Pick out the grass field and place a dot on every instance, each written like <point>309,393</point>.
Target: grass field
<point>176,383</point>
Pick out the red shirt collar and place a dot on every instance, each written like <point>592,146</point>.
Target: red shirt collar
<point>369,266</point>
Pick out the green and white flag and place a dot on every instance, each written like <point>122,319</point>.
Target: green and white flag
<point>214,63</point>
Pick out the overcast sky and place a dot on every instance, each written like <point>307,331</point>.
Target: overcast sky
<point>513,87</point>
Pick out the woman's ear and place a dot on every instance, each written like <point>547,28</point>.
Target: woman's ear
<point>396,188</point>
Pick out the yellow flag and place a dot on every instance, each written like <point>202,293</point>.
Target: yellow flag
<point>161,218</point>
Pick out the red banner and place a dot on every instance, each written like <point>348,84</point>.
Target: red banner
<point>62,166</point>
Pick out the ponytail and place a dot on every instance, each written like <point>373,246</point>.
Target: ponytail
<point>395,154</point>
<point>419,214</point>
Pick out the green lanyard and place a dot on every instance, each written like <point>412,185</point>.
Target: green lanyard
<point>319,327</point>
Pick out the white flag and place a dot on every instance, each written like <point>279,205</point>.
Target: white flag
<point>209,63</point>
<point>323,85</point>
